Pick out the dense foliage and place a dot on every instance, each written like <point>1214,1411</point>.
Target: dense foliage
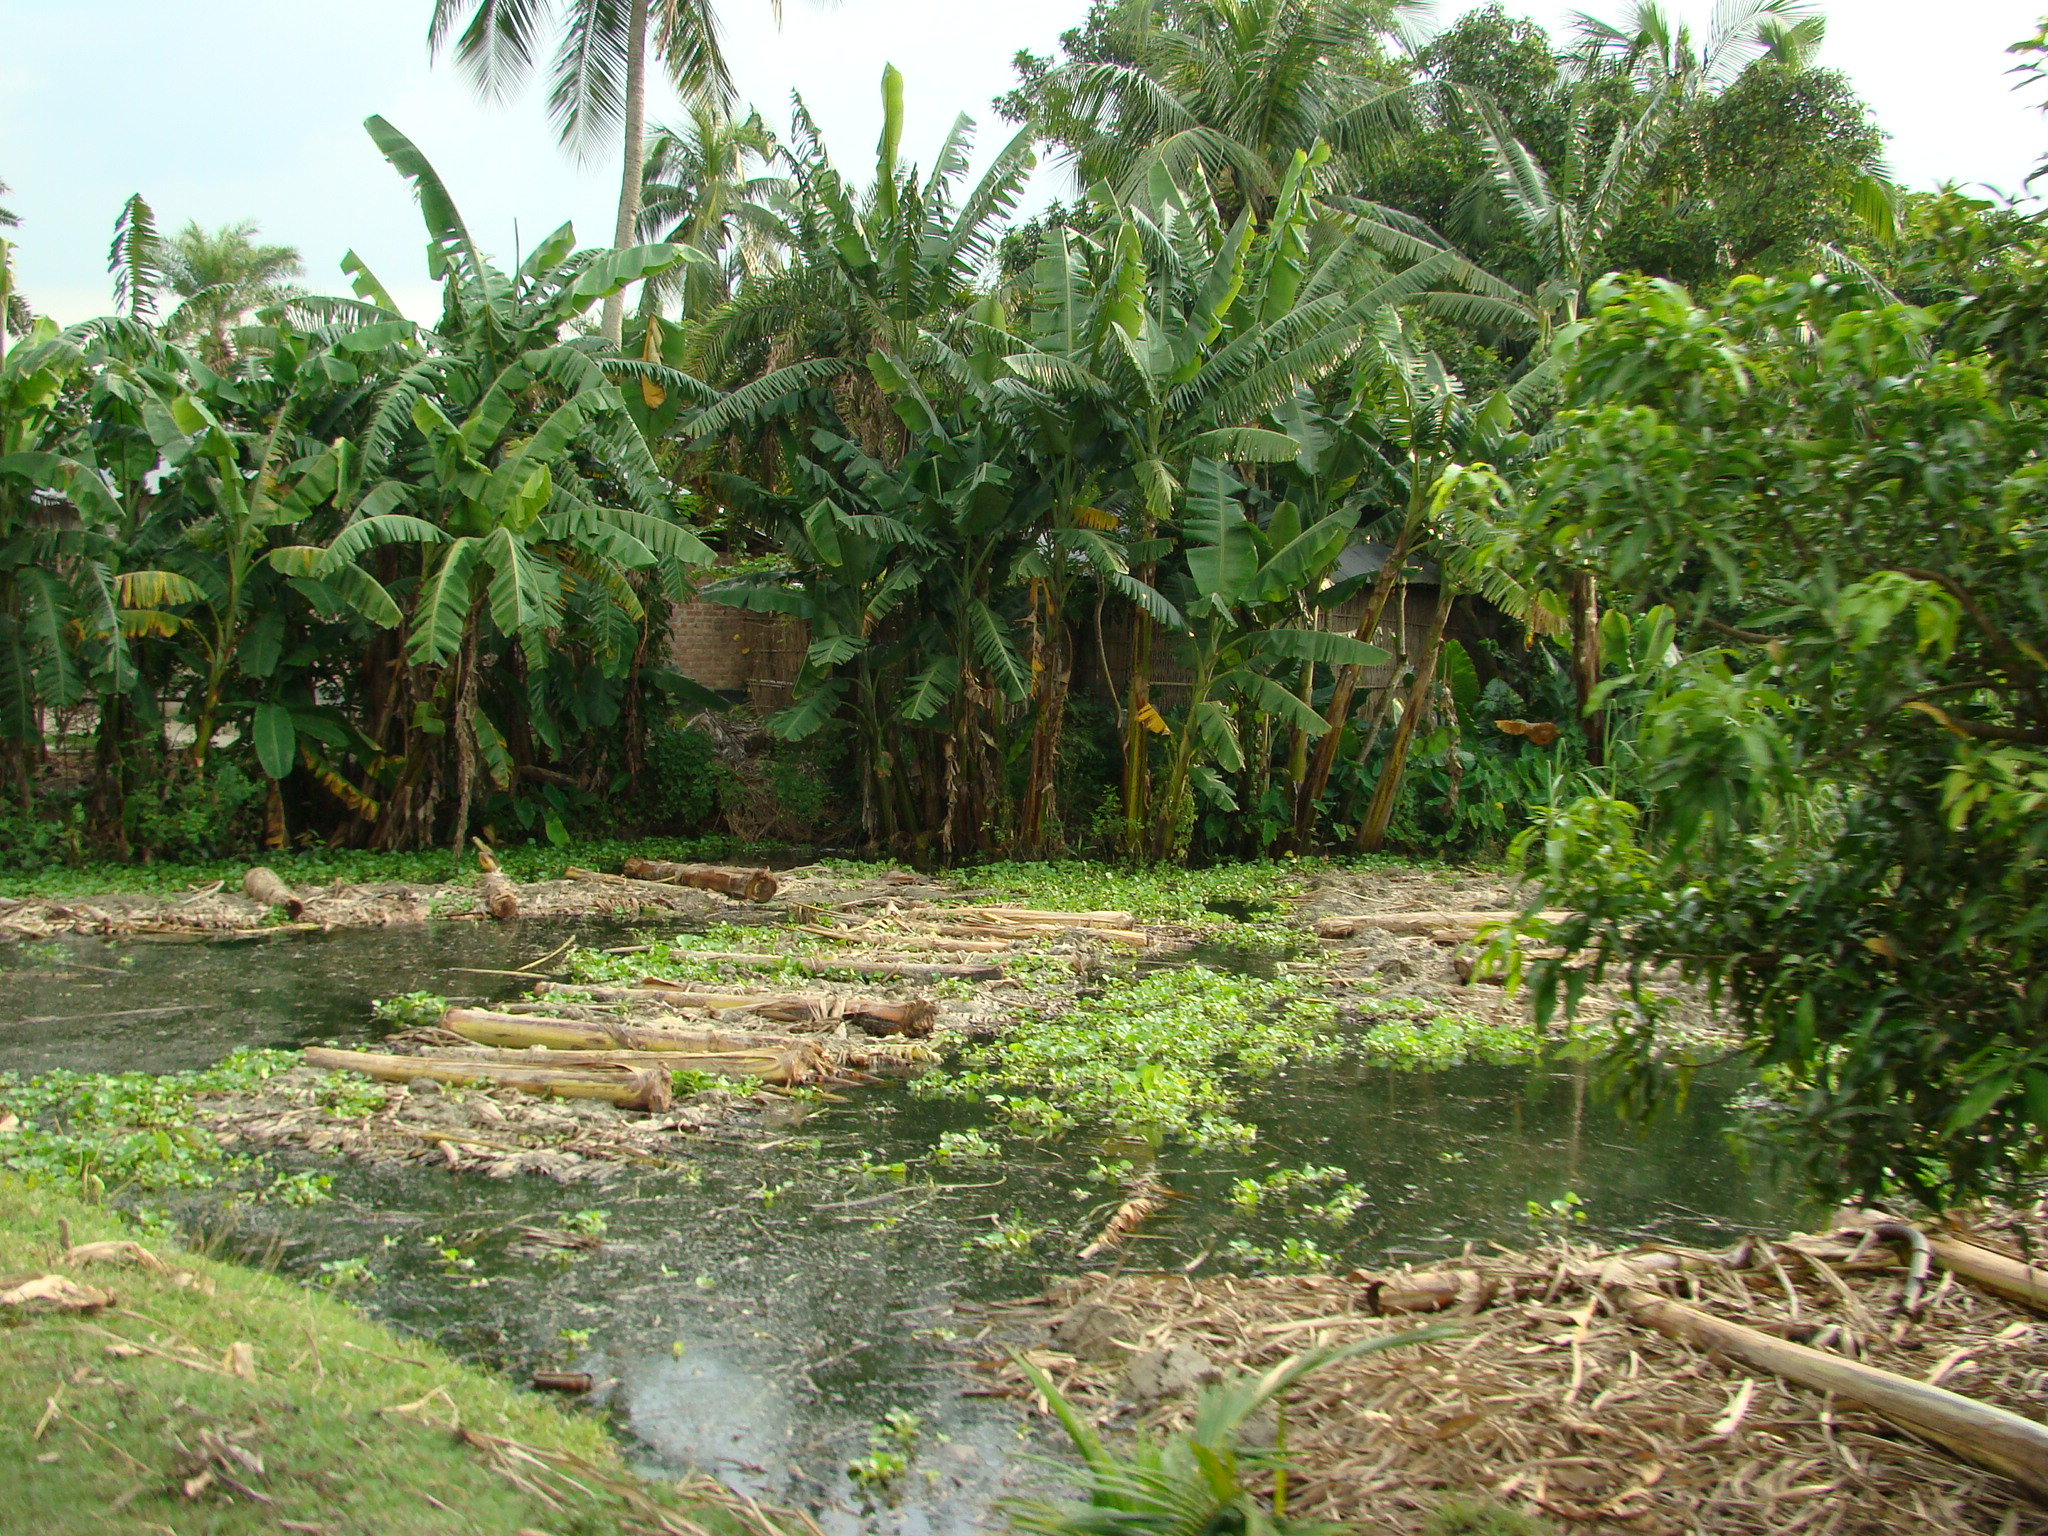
<point>1139,528</point>
<point>1832,502</point>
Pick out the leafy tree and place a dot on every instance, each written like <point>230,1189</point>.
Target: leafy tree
<point>1842,829</point>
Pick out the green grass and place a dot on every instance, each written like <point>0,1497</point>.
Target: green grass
<point>523,862</point>
<point>128,1430</point>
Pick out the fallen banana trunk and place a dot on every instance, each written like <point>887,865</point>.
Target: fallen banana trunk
<point>1453,927</point>
<point>1996,1272</point>
<point>627,1087</point>
<point>1054,919</point>
<point>261,884</point>
<point>1990,1437</point>
<point>750,884</point>
<point>521,1030</point>
<point>786,1066</point>
<point>670,992</point>
<point>877,1016</point>
<point>825,965</point>
<point>1130,936</point>
<point>2026,1284</point>
<point>911,940</point>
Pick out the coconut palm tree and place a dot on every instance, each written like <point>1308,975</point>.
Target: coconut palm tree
<point>597,80</point>
<point>221,275</point>
<point>706,186</point>
<point>1659,49</point>
<point>1237,87</point>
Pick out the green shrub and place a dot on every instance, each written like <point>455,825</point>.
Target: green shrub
<point>684,779</point>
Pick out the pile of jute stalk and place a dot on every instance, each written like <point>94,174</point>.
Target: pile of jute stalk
<point>1882,1376</point>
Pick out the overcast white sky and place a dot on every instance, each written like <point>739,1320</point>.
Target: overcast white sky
<point>226,109</point>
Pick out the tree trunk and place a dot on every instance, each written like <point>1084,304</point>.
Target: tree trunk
<point>1585,601</point>
<point>1373,830</point>
<point>624,232</point>
<point>1051,660</point>
<point>1311,788</point>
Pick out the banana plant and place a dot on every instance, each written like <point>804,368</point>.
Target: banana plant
<point>57,513</point>
<point>503,489</point>
<point>1195,335</point>
<point>1237,573</point>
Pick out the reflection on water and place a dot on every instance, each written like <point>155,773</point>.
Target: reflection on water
<point>758,1312</point>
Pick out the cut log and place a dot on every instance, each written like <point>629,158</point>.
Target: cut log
<point>1431,1291</point>
<point>1990,1437</point>
<point>752,884</point>
<point>628,1087</point>
<point>500,899</point>
<point>262,885</point>
<point>825,966</point>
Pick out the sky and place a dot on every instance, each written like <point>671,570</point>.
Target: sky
<point>232,109</point>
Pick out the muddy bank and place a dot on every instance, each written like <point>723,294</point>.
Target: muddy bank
<point>218,912</point>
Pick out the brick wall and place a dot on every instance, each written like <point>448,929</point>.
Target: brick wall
<point>734,650</point>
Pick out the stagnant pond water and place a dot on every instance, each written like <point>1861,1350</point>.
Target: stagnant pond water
<point>759,1313</point>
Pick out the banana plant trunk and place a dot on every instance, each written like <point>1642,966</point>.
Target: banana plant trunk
<point>1373,830</point>
<point>1051,661</point>
<point>613,321</point>
<point>1585,606</point>
<point>1317,779</point>
<point>1138,710</point>
<point>1166,810</point>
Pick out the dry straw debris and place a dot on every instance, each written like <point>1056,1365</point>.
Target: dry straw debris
<point>1554,1402</point>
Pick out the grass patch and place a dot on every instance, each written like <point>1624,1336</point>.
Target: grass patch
<point>129,1433</point>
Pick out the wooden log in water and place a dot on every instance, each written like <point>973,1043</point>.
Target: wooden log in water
<point>628,1087</point>
<point>1978,1432</point>
<point>261,884</point>
<point>751,884</point>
